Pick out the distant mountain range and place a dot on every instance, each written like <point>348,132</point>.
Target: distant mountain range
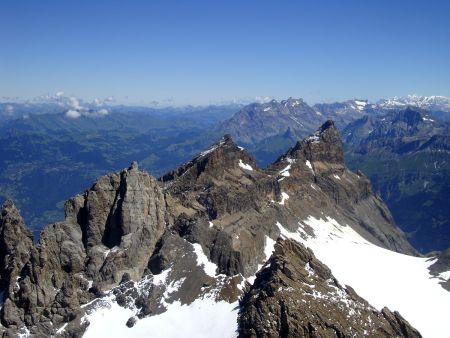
<point>431,103</point>
<point>49,154</point>
<point>406,155</point>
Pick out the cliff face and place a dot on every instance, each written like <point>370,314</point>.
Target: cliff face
<point>109,231</point>
<point>15,244</point>
<point>205,227</point>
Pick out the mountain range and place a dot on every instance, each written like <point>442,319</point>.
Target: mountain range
<point>220,247</point>
<point>406,154</point>
<point>49,156</point>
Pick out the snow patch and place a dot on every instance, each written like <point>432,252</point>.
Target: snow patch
<point>23,332</point>
<point>61,329</point>
<point>285,171</point>
<point>268,247</point>
<point>209,267</point>
<point>308,164</point>
<point>211,224</point>
<point>161,278</point>
<point>314,138</point>
<point>360,104</point>
<point>445,275</point>
<point>336,177</point>
<point>245,166</point>
<point>202,318</point>
<point>284,197</point>
<point>214,147</point>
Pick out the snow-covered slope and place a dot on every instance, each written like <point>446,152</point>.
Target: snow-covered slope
<point>202,318</point>
<point>382,277</point>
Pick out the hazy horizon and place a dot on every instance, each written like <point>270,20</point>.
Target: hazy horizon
<point>200,53</point>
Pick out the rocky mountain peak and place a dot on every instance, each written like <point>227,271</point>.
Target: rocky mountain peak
<point>327,126</point>
<point>324,147</point>
<point>223,156</point>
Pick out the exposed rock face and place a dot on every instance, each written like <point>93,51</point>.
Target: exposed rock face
<point>15,244</point>
<point>137,236</point>
<point>295,295</point>
<point>123,216</point>
<point>109,231</point>
<point>223,187</point>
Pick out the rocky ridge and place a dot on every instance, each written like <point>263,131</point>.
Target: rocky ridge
<point>202,230</point>
<point>295,295</point>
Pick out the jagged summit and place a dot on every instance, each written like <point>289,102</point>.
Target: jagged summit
<point>329,124</point>
<point>323,149</point>
<point>223,156</point>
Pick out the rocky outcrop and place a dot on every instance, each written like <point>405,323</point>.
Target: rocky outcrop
<point>110,230</point>
<point>295,295</point>
<point>15,244</point>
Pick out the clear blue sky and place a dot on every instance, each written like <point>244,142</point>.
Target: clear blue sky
<point>206,51</point>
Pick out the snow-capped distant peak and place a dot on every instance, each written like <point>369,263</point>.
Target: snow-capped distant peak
<point>360,104</point>
<point>425,102</point>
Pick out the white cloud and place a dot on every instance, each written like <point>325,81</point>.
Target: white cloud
<point>74,103</point>
<point>73,114</point>
<point>59,94</point>
<point>102,112</point>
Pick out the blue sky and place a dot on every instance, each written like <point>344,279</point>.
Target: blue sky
<point>197,52</point>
